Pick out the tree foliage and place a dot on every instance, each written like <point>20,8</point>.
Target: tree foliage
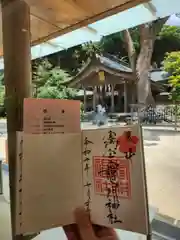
<point>113,44</point>
<point>172,66</point>
<point>172,32</point>
<point>168,40</point>
<point>48,81</point>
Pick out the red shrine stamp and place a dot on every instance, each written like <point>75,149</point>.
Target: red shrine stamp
<point>101,166</point>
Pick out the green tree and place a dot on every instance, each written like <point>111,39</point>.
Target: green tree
<point>168,40</point>
<point>172,32</point>
<point>172,66</point>
<point>49,81</point>
<point>2,95</point>
<point>86,51</point>
<point>91,48</point>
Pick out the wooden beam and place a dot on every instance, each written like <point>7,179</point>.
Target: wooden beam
<point>125,97</point>
<point>17,74</point>
<point>83,23</point>
<point>75,5</point>
<point>87,21</point>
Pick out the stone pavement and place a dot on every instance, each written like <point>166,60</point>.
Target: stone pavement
<point>2,146</point>
<point>5,230</point>
<point>5,222</point>
<point>162,169</point>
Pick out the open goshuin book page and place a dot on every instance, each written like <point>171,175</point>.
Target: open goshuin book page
<point>102,170</point>
<point>114,178</point>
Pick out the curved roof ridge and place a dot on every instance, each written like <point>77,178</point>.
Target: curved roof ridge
<point>114,64</point>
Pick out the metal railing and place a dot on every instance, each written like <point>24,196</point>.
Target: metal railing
<point>160,114</point>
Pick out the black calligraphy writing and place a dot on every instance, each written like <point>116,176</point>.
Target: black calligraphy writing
<point>86,164</point>
<point>112,181</point>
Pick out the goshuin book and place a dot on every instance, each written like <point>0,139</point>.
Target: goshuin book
<point>101,169</point>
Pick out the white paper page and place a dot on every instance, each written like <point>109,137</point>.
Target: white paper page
<point>52,180</point>
<point>114,186</point>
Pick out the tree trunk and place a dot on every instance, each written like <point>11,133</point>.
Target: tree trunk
<point>130,49</point>
<point>148,33</point>
<point>143,65</point>
<point>132,91</point>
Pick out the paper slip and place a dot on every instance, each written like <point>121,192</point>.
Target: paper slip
<point>51,116</point>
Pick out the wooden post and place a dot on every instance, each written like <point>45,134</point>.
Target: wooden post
<point>119,100</point>
<point>85,100</point>
<point>112,98</point>
<point>17,74</point>
<point>125,97</point>
<point>94,97</point>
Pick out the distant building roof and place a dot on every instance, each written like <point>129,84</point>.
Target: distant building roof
<point>118,69</point>
<point>114,64</point>
<point>158,75</point>
<point>102,63</point>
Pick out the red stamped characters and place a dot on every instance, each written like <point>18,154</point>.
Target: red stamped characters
<point>126,143</point>
<point>102,183</point>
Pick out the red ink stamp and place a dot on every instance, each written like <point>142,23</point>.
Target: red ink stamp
<point>102,183</point>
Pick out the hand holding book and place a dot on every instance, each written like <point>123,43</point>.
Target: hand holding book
<point>85,230</point>
<point>61,167</point>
